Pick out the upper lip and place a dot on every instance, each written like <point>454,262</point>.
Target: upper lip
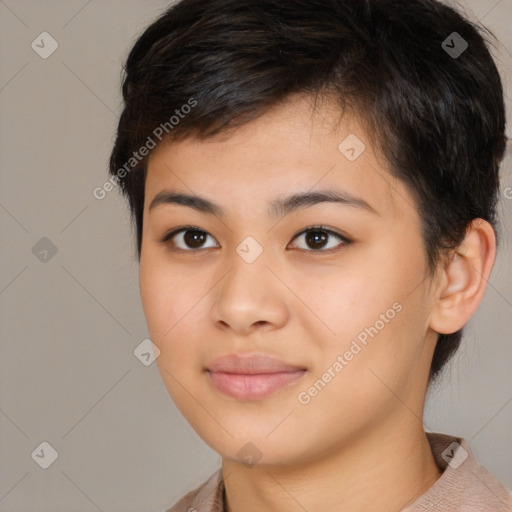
<point>251,365</point>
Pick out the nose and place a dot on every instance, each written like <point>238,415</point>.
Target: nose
<point>249,298</point>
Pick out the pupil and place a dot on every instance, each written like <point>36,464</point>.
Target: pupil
<point>194,240</point>
<point>318,238</point>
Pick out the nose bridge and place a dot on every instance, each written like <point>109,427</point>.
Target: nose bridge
<point>245,283</point>
<point>248,294</point>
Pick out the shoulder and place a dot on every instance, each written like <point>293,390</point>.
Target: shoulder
<point>465,485</point>
<point>208,497</point>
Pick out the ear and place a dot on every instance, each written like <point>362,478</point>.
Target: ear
<point>463,279</point>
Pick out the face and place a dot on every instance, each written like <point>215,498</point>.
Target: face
<point>289,298</point>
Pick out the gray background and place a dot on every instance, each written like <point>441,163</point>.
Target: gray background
<point>70,324</point>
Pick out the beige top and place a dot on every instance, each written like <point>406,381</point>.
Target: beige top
<point>464,486</point>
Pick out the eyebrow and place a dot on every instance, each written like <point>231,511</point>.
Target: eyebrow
<point>278,208</point>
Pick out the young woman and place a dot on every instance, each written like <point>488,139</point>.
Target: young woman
<point>313,184</point>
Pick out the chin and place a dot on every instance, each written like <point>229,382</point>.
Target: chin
<point>253,450</point>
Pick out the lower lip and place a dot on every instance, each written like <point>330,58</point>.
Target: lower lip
<point>253,387</point>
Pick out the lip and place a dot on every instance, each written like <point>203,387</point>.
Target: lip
<point>251,364</point>
<point>252,377</point>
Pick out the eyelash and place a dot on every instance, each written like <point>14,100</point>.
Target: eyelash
<point>183,229</point>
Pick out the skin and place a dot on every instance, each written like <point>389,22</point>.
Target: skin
<point>359,444</point>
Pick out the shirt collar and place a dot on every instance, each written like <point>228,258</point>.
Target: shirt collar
<point>463,486</point>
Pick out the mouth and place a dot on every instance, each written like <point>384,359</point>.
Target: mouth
<point>252,377</point>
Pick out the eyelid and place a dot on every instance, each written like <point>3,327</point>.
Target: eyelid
<point>343,238</point>
<point>320,227</point>
<point>175,231</point>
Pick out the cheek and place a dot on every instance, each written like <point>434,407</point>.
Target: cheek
<point>156,299</point>
<point>167,297</point>
<point>376,314</point>
<point>344,302</point>
<point>170,317</point>
<point>172,304</point>
<point>360,377</point>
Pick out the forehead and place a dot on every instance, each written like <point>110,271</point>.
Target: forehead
<point>294,147</point>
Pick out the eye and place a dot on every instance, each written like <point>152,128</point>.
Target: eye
<point>317,239</point>
<point>188,238</point>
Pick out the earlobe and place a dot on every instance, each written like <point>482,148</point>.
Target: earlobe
<point>464,278</point>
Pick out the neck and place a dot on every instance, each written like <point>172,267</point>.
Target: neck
<point>378,472</point>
